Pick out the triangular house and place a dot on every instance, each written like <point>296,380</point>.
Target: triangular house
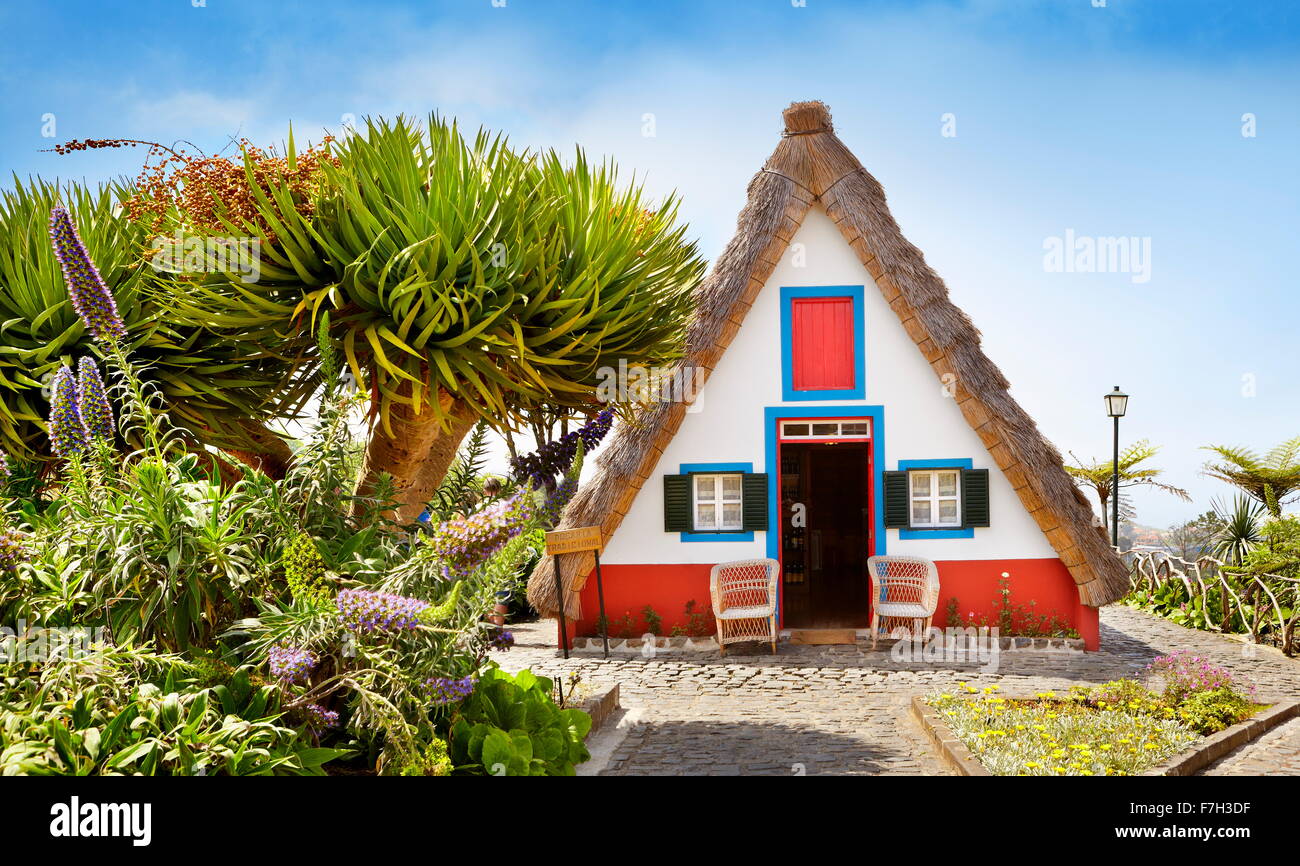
<point>847,409</point>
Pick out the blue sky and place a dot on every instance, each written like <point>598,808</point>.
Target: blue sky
<point>1122,120</point>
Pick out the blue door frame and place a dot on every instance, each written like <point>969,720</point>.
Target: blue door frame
<point>772,416</point>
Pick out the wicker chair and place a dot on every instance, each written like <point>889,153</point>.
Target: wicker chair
<point>902,587</point>
<point>744,601</point>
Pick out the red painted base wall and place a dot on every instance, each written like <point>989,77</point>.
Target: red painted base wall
<point>974,583</point>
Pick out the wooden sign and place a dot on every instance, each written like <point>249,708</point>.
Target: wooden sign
<point>573,540</point>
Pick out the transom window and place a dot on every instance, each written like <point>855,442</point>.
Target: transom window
<point>848,429</point>
<point>935,497</point>
<point>717,502</point>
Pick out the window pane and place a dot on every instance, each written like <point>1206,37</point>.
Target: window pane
<point>947,483</point>
<point>731,488</point>
<point>920,511</point>
<point>706,517</point>
<point>854,429</point>
<point>947,510</point>
<point>920,483</point>
<point>731,516</point>
<point>825,429</point>
<point>796,429</point>
<point>704,486</point>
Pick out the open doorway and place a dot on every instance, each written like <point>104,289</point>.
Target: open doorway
<point>825,533</point>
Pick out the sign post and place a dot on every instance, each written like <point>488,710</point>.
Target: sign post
<point>578,540</point>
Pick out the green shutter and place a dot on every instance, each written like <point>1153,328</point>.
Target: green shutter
<point>754,493</point>
<point>677,503</point>
<point>975,497</point>
<point>896,500</point>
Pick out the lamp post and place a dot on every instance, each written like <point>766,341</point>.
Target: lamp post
<point>1116,406</point>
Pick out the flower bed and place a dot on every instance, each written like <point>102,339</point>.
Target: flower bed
<point>1119,728</point>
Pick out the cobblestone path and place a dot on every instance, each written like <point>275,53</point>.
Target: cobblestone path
<point>843,710</point>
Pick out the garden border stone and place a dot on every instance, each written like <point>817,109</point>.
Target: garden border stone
<point>1215,746</point>
<point>600,707</point>
<point>952,751</point>
<point>586,645</point>
<point>963,762</point>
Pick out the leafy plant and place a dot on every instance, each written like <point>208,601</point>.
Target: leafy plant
<point>699,623</point>
<point>95,713</point>
<point>654,623</point>
<point>510,726</point>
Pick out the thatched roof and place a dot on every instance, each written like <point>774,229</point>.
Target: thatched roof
<point>812,166</point>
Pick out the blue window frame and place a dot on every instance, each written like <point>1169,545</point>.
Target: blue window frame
<point>709,468</point>
<point>859,389</point>
<point>955,463</point>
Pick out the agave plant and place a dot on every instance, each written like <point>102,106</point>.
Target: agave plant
<point>1239,530</point>
<point>217,390</point>
<point>466,281</point>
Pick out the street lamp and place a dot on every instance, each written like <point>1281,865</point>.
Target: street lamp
<point>1116,406</point>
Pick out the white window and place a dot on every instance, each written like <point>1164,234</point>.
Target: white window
<point>717,502</point>
<point>857,428</point>
<point>935,498</point>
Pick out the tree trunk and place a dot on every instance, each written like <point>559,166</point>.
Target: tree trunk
<point>404,454</point>
<point>271,453</point>
<point>434,468</point>
<point>227,474</point>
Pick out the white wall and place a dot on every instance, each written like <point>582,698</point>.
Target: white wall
<point>919,421</point>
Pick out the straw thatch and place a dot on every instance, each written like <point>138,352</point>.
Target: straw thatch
<point>812,166</point>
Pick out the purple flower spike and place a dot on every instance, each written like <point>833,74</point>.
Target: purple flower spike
<point>12,549</point>
<point>95,410</point>
<point>554,458</point>
<point>319,718</point>
<point>68,434</point>
<point>468,542</point>
<point>445,690</point>
<point>291,664</point>
<point>91,298</point>
<point>368,611</point>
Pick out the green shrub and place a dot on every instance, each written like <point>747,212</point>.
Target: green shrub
<point>433,760</point>
<point>304,571</point>
<point>510,726</point>
<point>1212,711</point>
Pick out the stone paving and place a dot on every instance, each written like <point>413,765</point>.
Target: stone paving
<point>843,710</point>
<point>1277,753</point>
